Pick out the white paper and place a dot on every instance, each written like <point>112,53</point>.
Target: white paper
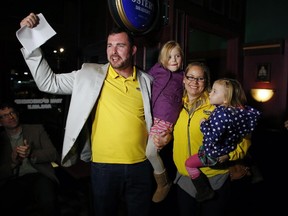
<point>32,38</point>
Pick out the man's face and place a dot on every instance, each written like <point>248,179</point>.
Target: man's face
<point>9,118</point>
<point>119,51</point>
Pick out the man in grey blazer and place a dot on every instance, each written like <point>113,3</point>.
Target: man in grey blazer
<point>26,174</point>
<point>116,96</point>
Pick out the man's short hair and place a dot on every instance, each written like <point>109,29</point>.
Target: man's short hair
<point>8,104</point>
<point>118,29</point>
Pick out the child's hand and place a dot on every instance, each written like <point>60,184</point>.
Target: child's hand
<point>202,120</point>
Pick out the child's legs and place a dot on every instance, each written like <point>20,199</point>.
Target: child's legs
<point>192,164</point>
<point>152,153</point>
<point>154,157</point>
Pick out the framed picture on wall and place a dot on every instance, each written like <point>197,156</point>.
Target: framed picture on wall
<point>263,72</point>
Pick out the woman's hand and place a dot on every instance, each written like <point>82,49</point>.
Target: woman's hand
<point>223,158</point>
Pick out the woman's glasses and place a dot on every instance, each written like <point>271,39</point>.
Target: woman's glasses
<point>191,78</point>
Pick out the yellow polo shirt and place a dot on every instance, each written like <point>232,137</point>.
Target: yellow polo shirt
<point>119,133</point>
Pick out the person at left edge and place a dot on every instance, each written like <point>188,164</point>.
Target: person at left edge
<point>28,182</point>
<point>117,97</point>
<point>286,124</point>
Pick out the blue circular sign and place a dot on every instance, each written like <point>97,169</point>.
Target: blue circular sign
<point>138,16</point>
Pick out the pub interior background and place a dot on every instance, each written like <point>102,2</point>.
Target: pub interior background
<point>234,37</point>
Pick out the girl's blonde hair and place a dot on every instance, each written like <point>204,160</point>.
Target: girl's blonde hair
<point>235,95</point>
<point>165,51</point>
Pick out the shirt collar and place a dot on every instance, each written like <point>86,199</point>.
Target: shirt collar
<point>115,75</point>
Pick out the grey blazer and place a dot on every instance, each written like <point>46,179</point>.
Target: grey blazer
<point>43,152</point>
<point>84,86</point>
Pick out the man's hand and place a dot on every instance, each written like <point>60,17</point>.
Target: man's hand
<point>30,21</point>
<point>24,150</point>
<point>15,158</point>
<point>162,139</point>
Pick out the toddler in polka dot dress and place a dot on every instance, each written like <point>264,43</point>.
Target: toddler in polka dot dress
<point>226,126</point>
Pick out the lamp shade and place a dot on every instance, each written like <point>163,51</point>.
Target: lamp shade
<point>262,95</point>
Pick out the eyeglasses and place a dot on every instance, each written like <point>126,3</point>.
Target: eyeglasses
<point>5,116</point>
<point>199,79</point>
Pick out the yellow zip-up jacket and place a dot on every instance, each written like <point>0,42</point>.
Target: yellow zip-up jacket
<point>187,140</point>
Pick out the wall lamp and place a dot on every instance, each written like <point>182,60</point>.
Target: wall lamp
<point>262,95</point>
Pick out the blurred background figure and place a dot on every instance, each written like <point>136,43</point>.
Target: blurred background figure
<point>286,124</point>
<point>27,180</point>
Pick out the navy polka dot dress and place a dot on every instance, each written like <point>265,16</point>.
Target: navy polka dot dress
<point>225,127</point>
